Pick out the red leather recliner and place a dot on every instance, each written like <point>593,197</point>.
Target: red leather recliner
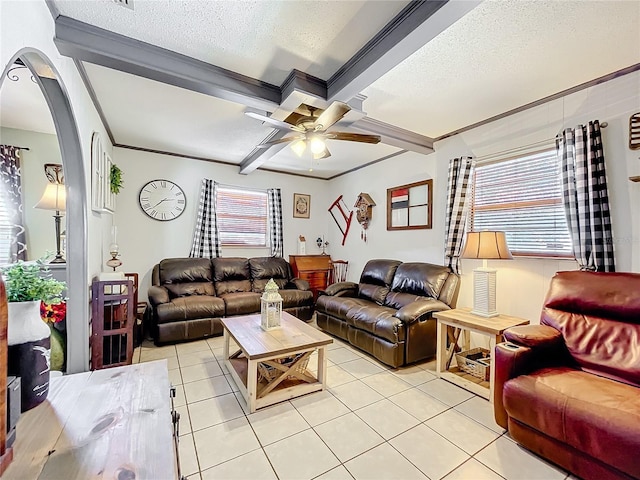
<point>569,388</point>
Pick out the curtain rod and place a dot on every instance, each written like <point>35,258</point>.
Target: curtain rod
<point>512,151</point>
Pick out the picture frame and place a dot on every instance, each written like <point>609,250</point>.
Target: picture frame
<point>301,205</point>
<point>410,206</point>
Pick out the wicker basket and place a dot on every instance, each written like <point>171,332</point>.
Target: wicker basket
<point>475,362</point>
<point>269,373</point>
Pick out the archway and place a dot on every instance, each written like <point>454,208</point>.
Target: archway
<point>57,99</point>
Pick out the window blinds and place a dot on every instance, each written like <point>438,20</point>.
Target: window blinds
<point>523,198</point>
<point>242,217</point>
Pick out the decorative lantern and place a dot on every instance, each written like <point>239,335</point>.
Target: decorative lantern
<point>270,306</point>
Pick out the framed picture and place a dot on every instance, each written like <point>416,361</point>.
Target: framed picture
<point>409,206</point>
<point>301,205</point>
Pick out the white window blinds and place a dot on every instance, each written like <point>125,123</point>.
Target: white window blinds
<point>523,198</point>
<point>242,217</point>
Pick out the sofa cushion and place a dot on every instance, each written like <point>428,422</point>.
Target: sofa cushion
<point>231,275</point>
<point>296,298</point>
<point>241,303</point>
<point>186,276</point>
<point>588,412</point>
<point>421,279</point>
<point>191,307</point>
<point>376,278</point>
<point>599,317</point>
<point>265,268</point>
<point>378,320</point>
<point>398,300</point>
<point>339,306</point>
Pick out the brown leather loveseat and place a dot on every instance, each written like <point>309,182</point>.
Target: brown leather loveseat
<point>189,296</point>
<point>569,388</point>
<point>388,314</point>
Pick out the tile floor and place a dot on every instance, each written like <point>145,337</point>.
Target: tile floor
<point>373,422</point>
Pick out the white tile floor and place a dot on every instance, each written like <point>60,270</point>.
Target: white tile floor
<point>373,422</point>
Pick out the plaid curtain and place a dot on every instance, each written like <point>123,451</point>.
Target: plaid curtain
<point>274,205</point>
<point>456,217</point>
<point>206,238</point>
<point>11,190</point>
<point>586,198</point>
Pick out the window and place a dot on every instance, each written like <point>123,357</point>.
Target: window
<point>242,217</point>
<point>523,197</point>
<point>6,231</point>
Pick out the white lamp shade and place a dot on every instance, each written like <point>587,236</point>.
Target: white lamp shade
<point>487,245</point>
<point>53,198</point>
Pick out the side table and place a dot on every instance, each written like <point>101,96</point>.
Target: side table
<point>462,319</point>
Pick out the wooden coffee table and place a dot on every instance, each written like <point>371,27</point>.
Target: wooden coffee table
<point>293,338</point>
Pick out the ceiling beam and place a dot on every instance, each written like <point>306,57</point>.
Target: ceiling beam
<point>415,26</point>
<point>396,136</point>
<point>88,43</point>
<point>259,156</point>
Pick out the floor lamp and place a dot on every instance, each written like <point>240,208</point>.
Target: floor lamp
<point>54,198</point>
<point>485,246</point>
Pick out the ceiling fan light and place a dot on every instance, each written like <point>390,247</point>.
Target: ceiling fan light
<point>317,145</point>
<point>323,154</point>
<point>299,147</point>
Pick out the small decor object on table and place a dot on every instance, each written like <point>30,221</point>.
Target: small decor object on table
<point>301,205</point>
<point>323,244</point>
<point>29,284</point>
<point>270,306</point>
<point>54,315</point>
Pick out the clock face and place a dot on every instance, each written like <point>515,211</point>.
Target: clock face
<point>162,200</point>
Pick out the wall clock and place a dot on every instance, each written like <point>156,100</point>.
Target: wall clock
<point>162,200</point>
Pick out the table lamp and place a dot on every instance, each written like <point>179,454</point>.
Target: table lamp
<point>54,198</point>
<point>485,246</point>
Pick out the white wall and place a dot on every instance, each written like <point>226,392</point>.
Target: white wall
<point>144,242</point>
<point>522,283</point>
<point>43,148</point>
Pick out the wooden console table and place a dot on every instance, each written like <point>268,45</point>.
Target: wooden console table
<point>315,269</point>
<point>462,319</point>
<point>106,424</point>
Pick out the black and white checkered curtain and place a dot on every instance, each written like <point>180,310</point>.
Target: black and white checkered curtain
<point>206,238</point>
<point>456,217</point>
<point>274,205</point>
<point>586,198</point>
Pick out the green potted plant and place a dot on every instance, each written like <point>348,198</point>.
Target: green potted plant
<point>29,337</point>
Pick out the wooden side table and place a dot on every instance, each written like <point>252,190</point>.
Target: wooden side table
<point>461,319</point>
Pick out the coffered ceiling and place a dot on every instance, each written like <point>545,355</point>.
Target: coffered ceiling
<point>177,75</point>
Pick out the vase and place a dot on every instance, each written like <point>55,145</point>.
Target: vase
<point>29,343</point>
<point>58,347</point>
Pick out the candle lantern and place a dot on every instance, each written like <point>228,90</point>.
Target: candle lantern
<point>270,306</point>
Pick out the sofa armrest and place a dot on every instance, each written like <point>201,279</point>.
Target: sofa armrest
<point>298,284</point>
<point>158,295</point>
<point>420,310</point>
<point>341,289</point>
<point>510,361</point>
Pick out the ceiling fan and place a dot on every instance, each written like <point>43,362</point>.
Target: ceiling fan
<point>312,130</point>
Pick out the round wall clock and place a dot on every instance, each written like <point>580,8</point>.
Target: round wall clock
<point>162,200</point>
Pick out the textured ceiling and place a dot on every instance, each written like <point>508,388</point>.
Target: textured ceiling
<point>153,115</point>
<point>503,55</point>
<point>23,106</point>
<point>263,39</point>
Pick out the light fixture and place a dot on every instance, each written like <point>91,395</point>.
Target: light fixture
<point>54,198</point>
<point>317,145</point>
<point>486,246</point>
<point>299,147</point>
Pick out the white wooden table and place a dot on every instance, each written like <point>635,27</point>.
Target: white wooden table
<point>463,319</point>
<point>257,346</point>
<point>107,424</point>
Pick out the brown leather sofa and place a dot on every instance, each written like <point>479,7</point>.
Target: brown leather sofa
<point>189,296</point>
<point>569,388</point>
<point>388,314</point>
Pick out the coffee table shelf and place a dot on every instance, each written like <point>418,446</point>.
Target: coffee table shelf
<point>259,346</point>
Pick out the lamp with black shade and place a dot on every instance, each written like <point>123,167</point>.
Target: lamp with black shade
<point>488,245</point>
<point>54,198</point>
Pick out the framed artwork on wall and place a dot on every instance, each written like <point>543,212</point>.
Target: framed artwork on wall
<point>409,207</point>
<point>301,205</point>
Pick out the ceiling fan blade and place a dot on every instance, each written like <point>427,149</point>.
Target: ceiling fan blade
<point>354,137</point>
<point>324,154</point>
<point>272,121</point>
<point>280,140</point>
<point>331,115</point>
